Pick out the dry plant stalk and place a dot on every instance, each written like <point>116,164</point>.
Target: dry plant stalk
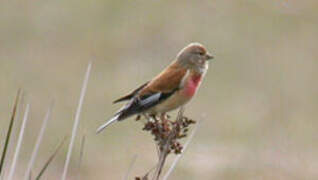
<point>19,143</point>
<point>38,143</point>
<point>167,134</point>
<point>76,121</point>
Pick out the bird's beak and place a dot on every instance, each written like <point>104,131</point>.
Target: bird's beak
<point>209,56</point>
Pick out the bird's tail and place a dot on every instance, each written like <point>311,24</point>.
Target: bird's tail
<point>125,112</point>
<point>111,121</point>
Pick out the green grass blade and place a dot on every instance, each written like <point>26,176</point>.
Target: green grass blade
<point>3,156</point>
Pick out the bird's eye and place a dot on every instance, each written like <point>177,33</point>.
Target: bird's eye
<point>201,53</point>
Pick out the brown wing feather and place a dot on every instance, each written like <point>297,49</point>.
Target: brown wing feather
<point>167,81</point>
<point>131,95</point>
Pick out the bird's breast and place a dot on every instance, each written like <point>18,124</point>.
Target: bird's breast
<point>187,90</point>
<point>182,96</point>
<point>192,84</point>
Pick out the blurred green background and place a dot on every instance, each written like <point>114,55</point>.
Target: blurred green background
<point>258,101</point>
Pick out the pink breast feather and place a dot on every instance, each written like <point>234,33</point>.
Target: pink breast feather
<point>192,85</point>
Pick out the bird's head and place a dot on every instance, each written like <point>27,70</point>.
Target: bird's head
<point>194,56</point>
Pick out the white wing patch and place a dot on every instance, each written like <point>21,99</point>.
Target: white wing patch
<point>150,99</point>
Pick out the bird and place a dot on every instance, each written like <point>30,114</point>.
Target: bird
<point>172,88</point>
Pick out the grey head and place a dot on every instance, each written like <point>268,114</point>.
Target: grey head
<point>194,56</point>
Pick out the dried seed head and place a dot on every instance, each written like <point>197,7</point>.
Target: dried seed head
<point>166,131</point>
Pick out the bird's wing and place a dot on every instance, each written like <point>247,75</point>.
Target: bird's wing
<point>166,82</point>
<point>156,91</point>
<point>131,94</point>
<point>141,104</point>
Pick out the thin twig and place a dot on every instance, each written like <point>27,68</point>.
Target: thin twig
<point>178,157</point>
<point>165,151</point>
<point>130,167</point>
<point>19,143</point>
<point>38,143</point>
<point>48,162</point>
<point>162,160</point>
<point>6,145</point>
<point>76,123</point>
